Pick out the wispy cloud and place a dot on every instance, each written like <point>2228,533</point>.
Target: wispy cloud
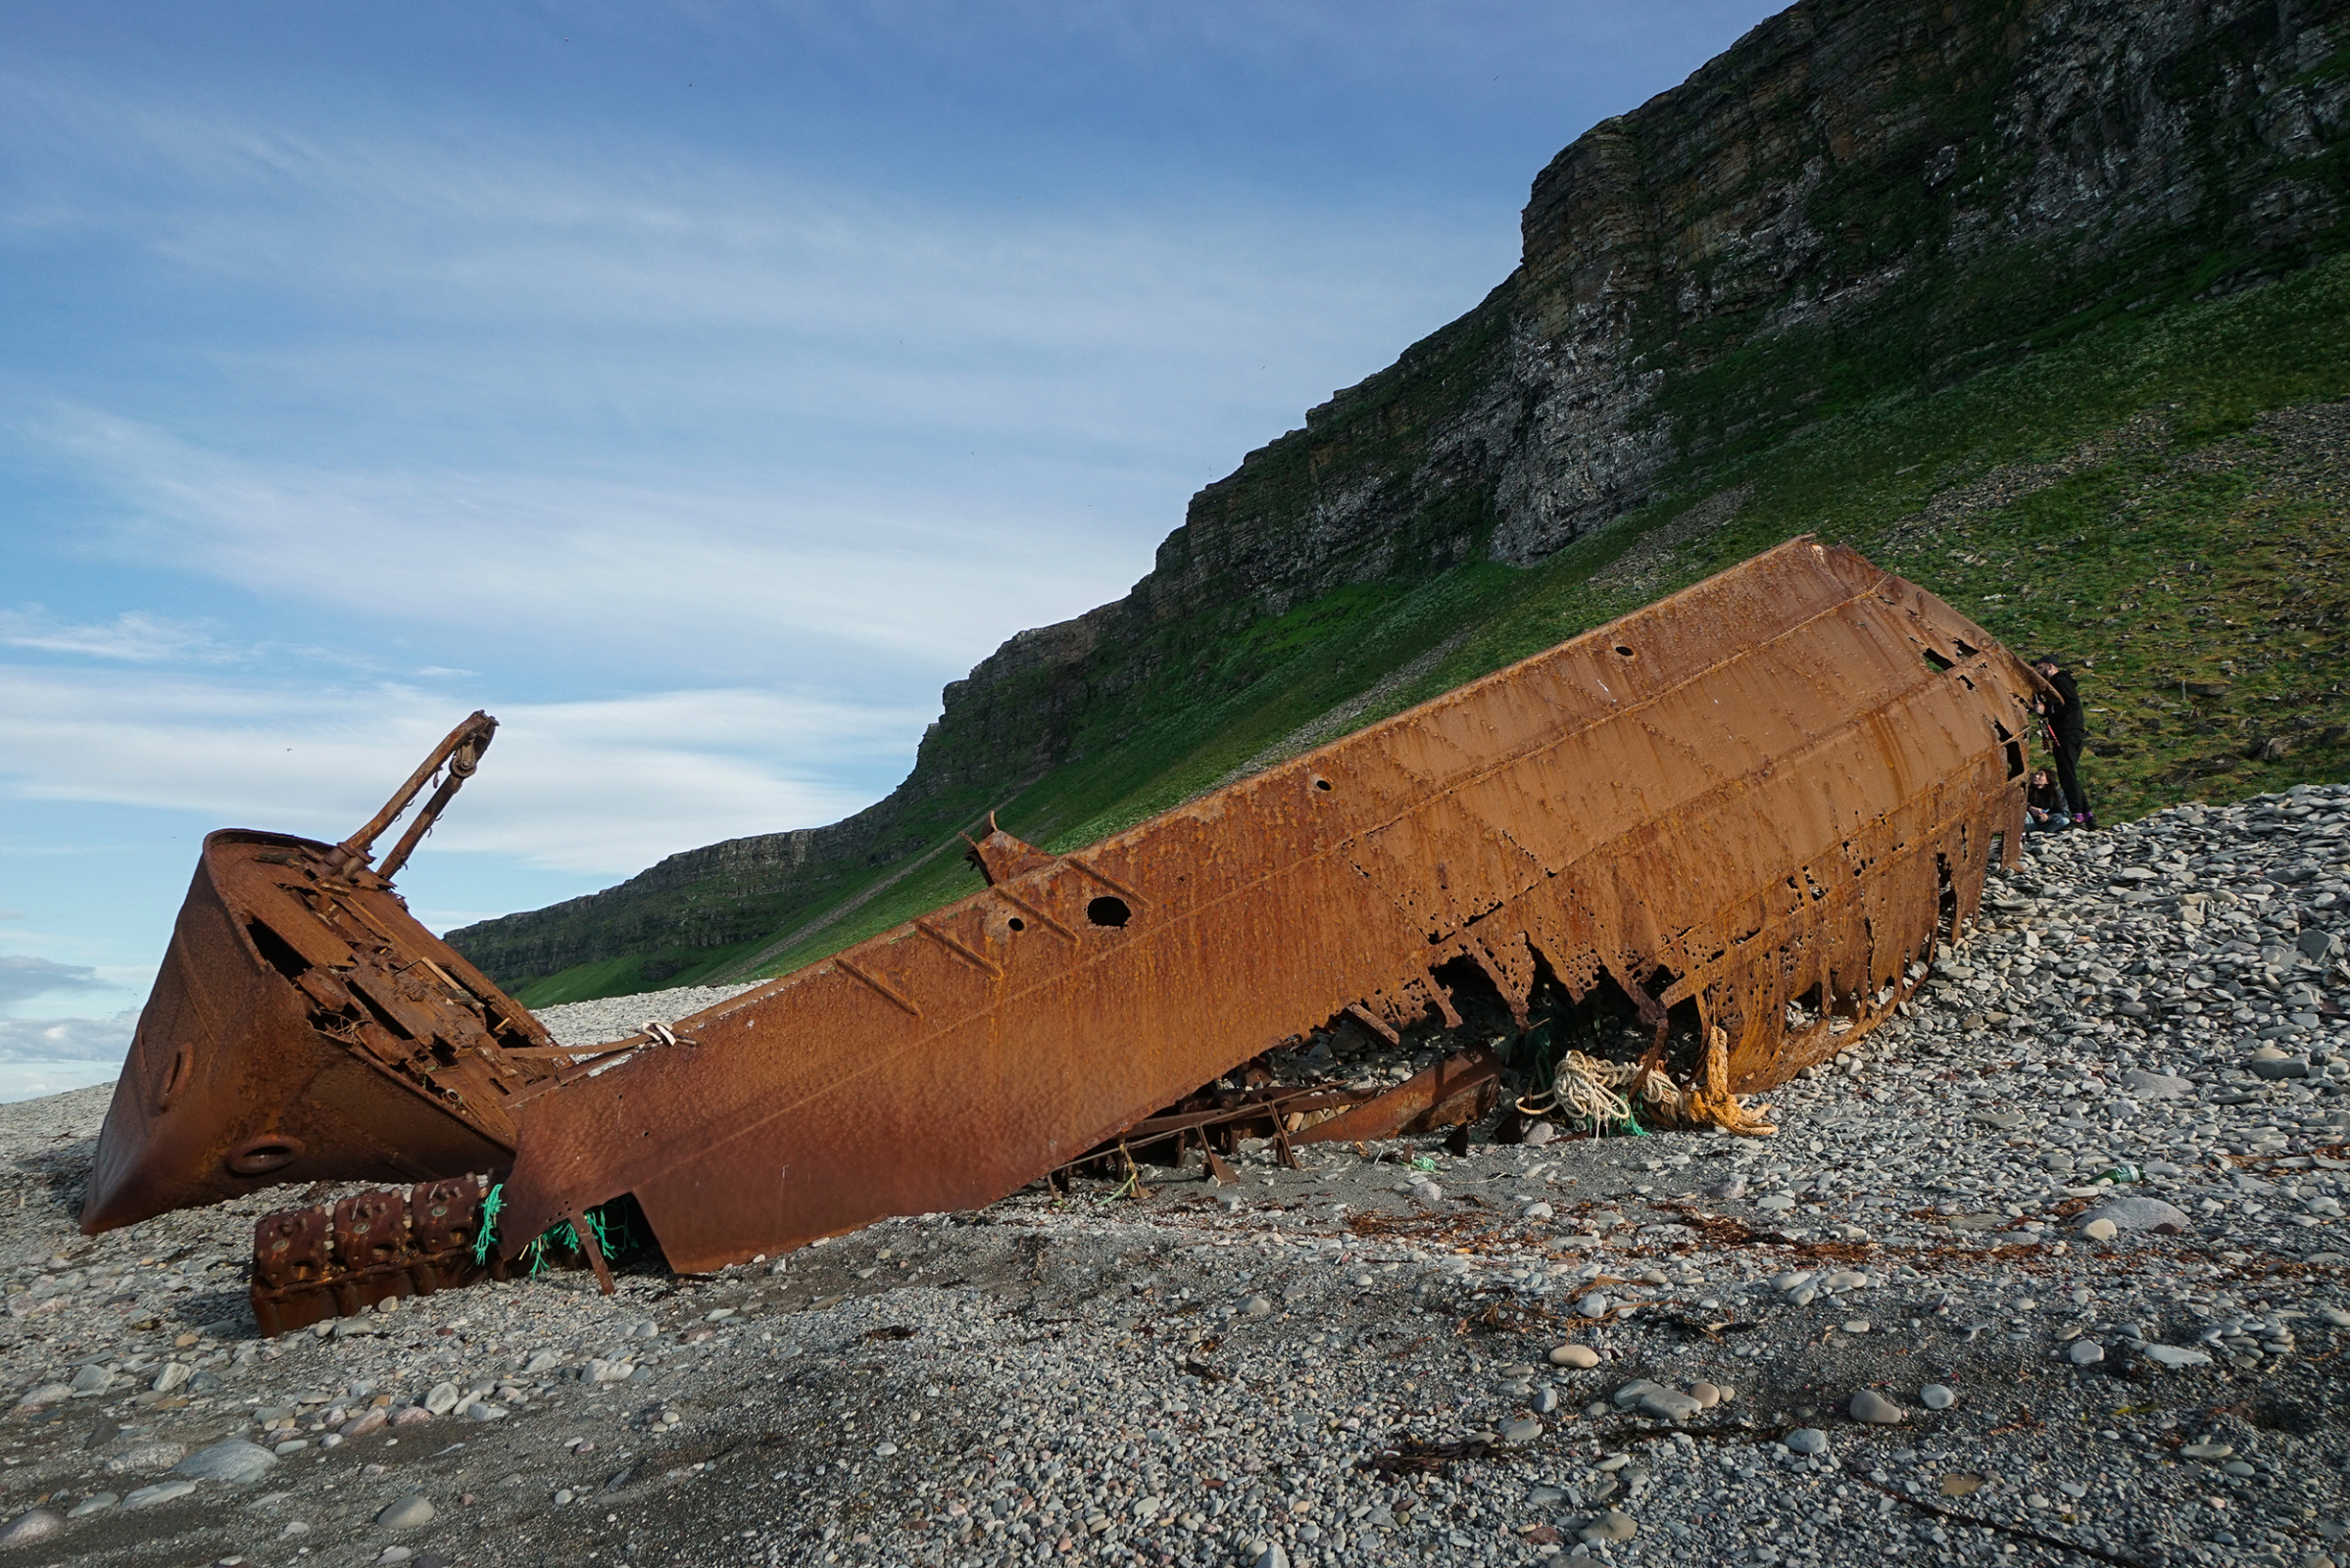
<point>625,570</point>
<point>603,786</point>
<point>24,976</point>
<point>47,1056</point>
<point>132,637</point>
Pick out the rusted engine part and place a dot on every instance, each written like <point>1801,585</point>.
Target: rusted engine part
<point>1460,1089</point>
<point>1780,784</point>
<point>303,1027</point>
<point>334,1259</point>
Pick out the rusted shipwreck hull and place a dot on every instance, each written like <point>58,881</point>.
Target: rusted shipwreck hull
<point>1764,796</point>
<point>303,1026</point>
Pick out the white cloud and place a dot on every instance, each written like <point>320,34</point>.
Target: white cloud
<point>132,637</point>
<point>672,573</point>
<point>50,1055</point>
<point>24,976</point>
<point>586,786</point>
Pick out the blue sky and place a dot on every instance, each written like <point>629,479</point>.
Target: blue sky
<point>696,387</point>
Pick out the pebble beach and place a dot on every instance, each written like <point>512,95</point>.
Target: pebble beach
<point>2049,1269</point>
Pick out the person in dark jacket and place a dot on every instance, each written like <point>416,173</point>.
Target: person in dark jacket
<point>2068,732</point>
<point>2045,806</point>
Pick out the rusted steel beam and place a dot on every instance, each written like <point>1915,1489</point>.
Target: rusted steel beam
<point>303,1027</point>
<point>1780,784</point>
<point>1458,1089</point>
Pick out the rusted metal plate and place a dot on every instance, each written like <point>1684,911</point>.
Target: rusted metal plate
<point>303,1027</point>
<point>1776,787</point>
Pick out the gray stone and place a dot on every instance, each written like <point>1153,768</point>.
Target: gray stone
<point>1521,1428</point>
<point>34,1524</point>
<point>1593,1306</point>
<point>2084,1352</point>
<point>1937,1396</point>
<point>2277,1068</point>
<point>1610,1529</point>
<point>2155,1086</point>
<point>1258,1306</point>
<point>2099,1229</point>
<point>1541,1133</point>
<point>1875,1409</point>
<point>92,1379</point>
<point>1545,1401</point>
<point>45,1394</point>
<point>2130,1212</point>
<point>236,1461</point>
<point>410,1513</point>
<point>161,1491</point>
<point>173,1374</point>
<point>1808,1441</point>
<point>95,1503</point>
<point>2176,1355</point>
<point>1538,1211</point>
<point>1270,1556</point>
<point>1670,1404</point>
<point>442,1398</point>
<point>483,1410</point>
<point>151,1456</point>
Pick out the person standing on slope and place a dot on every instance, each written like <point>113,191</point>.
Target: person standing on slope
<point>2068,732</point>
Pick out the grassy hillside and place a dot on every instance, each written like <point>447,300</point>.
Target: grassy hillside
<point>2162,497</point>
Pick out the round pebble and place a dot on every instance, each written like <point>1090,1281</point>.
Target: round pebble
<point>1581,1356</point>
<point>2084,1352</point>
<point>1611,1528</point>
<point>1937,1396</point>
<point>1875,1408</point>
<point>34,1524</point>
<point>409,1513</point>
<point>1808,1441</point>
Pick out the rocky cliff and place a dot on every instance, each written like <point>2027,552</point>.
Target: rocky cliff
<point>1856,202</point>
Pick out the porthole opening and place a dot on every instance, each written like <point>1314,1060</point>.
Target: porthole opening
<point>1321,783</point>
<point>1626,651</point>
<point>263,1155</point>
<point>175,1076</point>
<point>1109,912</point>
<point>1016,923</point>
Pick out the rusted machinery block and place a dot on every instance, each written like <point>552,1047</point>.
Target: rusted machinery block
<point>331,1261</point>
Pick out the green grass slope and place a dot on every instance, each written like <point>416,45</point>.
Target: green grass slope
<point>2164,501</point>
